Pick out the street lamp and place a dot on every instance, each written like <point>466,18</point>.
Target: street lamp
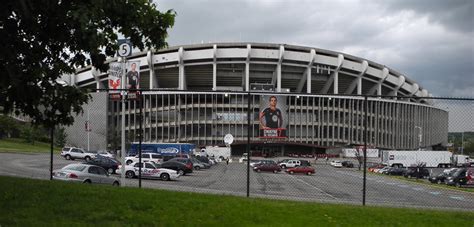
<point>420,136</point>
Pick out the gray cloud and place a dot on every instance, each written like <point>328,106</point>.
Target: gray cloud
<point>430,42</point>
<point>454,14</point>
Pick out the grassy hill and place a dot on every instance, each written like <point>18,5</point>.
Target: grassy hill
<point>29,202</point>
<point>19,145</point>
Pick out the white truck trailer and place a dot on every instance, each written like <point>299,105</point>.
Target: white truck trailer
<point>416,158</point>
<point>221,153</point>
<point>460,160</point>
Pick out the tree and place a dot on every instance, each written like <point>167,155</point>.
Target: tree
<point>42,40</point>
<point>60,137</point>
<point>8,126</point>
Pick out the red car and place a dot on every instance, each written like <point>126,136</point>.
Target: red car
<point>301,169</point>
<point>270,167</point>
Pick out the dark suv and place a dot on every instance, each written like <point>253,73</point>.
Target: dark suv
<point>417,172</point>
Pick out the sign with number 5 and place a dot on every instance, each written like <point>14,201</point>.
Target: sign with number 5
<point>125,48</point>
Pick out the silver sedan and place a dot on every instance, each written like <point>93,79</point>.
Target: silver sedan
<point>85,173</point>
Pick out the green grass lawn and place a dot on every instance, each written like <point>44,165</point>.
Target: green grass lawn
<point>19,145</point>
<point>28,202</point>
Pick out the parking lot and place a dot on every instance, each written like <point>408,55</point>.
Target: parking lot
<point>328,184</point>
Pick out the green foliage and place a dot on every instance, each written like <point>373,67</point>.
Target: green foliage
<point>30,134</point>
<point>60,137</point>
<point>43,40</point>
<point>42,203</point>
<point>8,126</point>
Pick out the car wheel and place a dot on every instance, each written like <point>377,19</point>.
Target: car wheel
<point>309,173</point>
<point>87,182</point>
<point>130,174</point>
<point>258,170</point>
<point>110,170</point>
<point>181,172</point>
<point>291,172</point>
<point>165,177</point>
<point>458,184</point>
<point>275,171</point>
<point>283,166</point>
<point>129,162</point>
<point>87,158</point>
<point>68,157</point>
<point>439,181</point>
<point>197,167</point>
<point>116,184</point>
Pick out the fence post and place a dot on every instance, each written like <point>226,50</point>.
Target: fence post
<point>51,158</point>
<point>248,145</point>
<point>366,120</point>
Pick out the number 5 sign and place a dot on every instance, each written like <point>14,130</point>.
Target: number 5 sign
<point>125,48</point>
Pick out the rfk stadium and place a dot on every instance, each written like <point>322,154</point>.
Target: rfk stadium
<point>200,93</point>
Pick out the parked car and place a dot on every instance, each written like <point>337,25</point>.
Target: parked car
<point>461,177</point>
<point>347,164</point>
<point>180,167</point>
<point>384,170</point>
<point>267,167</point>
<point>417,172</point>
<point>71,153</point>
<point>441,177</point>
<point>185,161</point>
<point>336,163</point>
<point>305,163</point>
<point>376,167</point>
<point>197,165</point>
<point>108,164</point>
<point>204,159</point>
<point>85,173</point>
<point>396,171</point>
<point>146,157</point>
<point>290,163</point>
<point>150,170</point>
<point>254,163</point>
<point>301,169</point>
<point>103,153</point>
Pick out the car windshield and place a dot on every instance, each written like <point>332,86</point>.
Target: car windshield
<point>79,168</point>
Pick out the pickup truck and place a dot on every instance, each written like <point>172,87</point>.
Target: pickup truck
<point>146,157</point>
<point>71,153</point>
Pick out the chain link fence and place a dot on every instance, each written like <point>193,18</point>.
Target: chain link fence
<point>374,150</point>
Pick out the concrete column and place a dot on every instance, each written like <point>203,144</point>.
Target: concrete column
<point>182,79</point>
<point>280,60</point>
<point>214,68</point>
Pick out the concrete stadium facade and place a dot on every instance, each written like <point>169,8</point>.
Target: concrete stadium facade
<point>199,93</point>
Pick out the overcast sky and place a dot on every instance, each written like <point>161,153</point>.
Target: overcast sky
<point>429,41</point>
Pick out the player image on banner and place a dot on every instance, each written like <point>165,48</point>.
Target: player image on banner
<point>272,117</point>
<point>115,76</point>
<point>133,75</point>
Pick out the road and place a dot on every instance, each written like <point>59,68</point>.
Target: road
<point>332,185</point>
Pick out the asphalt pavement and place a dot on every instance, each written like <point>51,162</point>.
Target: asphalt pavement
<point>329,184</point>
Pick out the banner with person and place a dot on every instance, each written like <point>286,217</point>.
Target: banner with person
<point>133,75</point>
<point>273,117</point>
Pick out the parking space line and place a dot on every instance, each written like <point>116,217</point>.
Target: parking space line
<point>315,188</point>
<point>457,197</point>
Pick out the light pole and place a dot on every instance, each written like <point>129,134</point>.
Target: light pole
<point>420,136</point>
<point>462,143</point>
